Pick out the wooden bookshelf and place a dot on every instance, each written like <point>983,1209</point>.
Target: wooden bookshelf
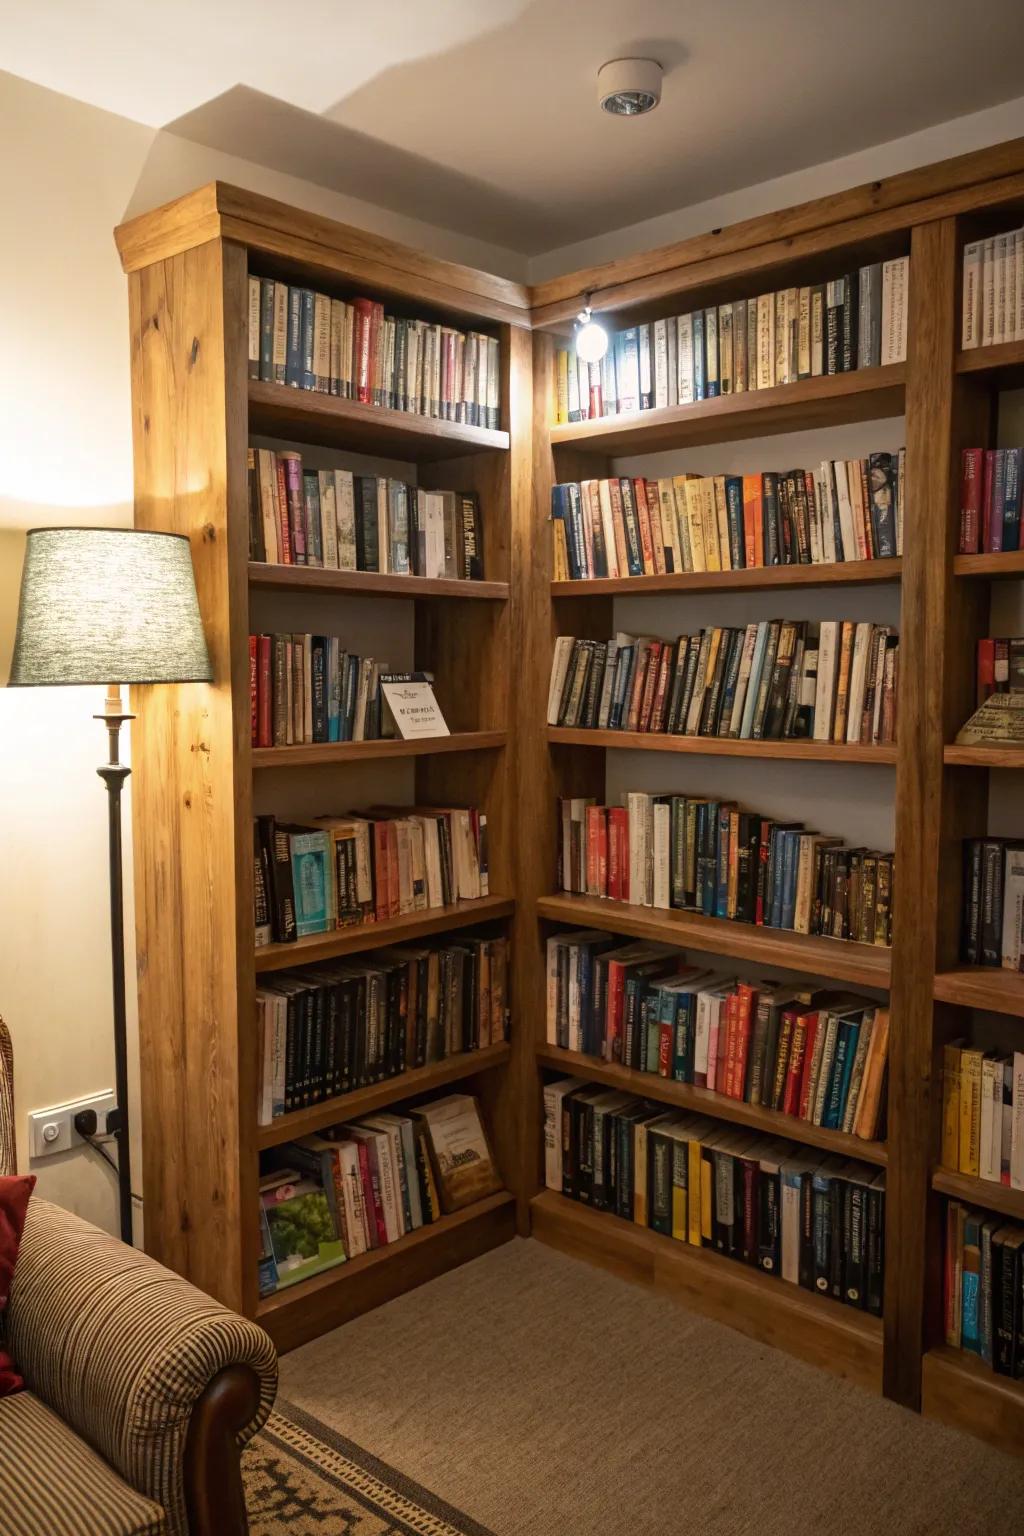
<point>1008,565</point>
<point>303,415</point>
<point>847,573</point>
<point>1007,355</point>
<point>363,1101</point>
<point>865,965</point>
<point>984,1192</point>
<point>329,754</point>
<point>984,756</point>
<point>845,1341</point>
<point>314,947</point>
<point>982,986</point>
<point>307,578</point>
<point>718,1105</point>
<point>960,1390</point>
<point>722,746</point>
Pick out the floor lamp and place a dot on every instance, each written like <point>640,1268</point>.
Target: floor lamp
<point>110,606</point>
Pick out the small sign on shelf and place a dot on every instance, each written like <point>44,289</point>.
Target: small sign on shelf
<point>410,705</point>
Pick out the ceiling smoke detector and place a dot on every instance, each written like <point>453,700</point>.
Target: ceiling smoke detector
<point>629,87</point>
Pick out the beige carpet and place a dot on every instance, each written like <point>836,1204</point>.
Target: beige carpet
<point>546,1398</point>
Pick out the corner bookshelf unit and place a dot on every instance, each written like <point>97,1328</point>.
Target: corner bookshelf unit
<point>491,643</point>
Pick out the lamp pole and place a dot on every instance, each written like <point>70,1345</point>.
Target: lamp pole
<point>113,773</point>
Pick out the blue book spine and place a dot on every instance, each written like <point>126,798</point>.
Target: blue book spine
<point>311,878</point>
<point>722,865</point>
<point>1011,500</point>
<point>844,1086</point>
<point>734,507</point>
<point>334,690</point>
<point>970,1331</point>
<point>293,362</point>
<point>789,874</point>
<point>775,868</point>
<point>267,328</point>
<point>308,374</point>
<point>832,1113</point>
<point>699,372</point>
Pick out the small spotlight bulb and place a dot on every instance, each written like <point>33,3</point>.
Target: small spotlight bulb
<point>591,338</point>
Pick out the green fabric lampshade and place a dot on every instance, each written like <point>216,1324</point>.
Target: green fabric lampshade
<point>108,605</point>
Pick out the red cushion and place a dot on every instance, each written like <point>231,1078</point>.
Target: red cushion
<point>14,1195</point>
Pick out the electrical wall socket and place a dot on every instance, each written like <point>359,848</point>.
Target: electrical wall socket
<point>53,1130</point>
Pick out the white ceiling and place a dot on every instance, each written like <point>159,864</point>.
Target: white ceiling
<point>481,115</point>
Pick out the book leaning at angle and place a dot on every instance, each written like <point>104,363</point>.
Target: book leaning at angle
<point>1000,719</point>
<point>458,1144</point>
<point>410,705</point>
<point>301,1232</point>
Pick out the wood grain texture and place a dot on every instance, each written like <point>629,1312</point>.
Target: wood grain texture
<point>305,416</point>
<point>191,783</point>
<point>982,986</point>
<point>364,1101</point>
<point>306,578</point>
<point>722,746</point>
<point>1008,565</point>
<point>984,757</point>
<point>864,395</point>
<point>865,965</point>
<point>984,1192</point>
<point>320,754</point>
<point>717,1105</point>
<point>396,930</point>
<point>824,1332</point>
<point>960,1390</point>
<point>1008,354</point>
<point>759,578</point>
<point>309,1308</point>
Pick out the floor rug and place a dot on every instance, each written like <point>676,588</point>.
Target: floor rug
<point>300,1476</point>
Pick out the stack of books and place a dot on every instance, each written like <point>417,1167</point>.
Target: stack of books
<point>364,868</point>
<point>858,320</point>
<point>341,521</point>
<point>990,496</point>
<point>993,290</point>
<point>778,679</point>
<point>309,340</point>
<point>800,1052</point>
<point>984,1288</point>
<point>712,857</point>
<point>983,1113</point>
<point>993,908</point>
<point>847,509</point>
<point>327,1031</point>
<point>811,1220</point>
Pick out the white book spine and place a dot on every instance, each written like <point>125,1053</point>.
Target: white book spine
<point>858,682</point>
<point>991,1117</point>
<point>661,857</point>
<point>825,686</point>
<point>254,327</point>
<point>1013,908</point>
<point>988,293</point>
<point>660,364</point>
<point>684,358</point>
<point>1001,295</point>
<point>790,1243</point>
<point>846,524</point>
<point>894,309</point>
<point>1017,1124</point>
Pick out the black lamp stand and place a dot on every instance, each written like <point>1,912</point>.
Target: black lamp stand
<point>113,773</point>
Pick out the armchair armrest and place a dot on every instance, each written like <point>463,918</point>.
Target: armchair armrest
<point>124,1351</point>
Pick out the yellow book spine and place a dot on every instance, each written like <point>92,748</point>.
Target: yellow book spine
<point>562,385</point>
<point>951,1107</point>
<point>705,1199</point>
<point>694,1193</point>
<point>709,519</point>
<point>560,552</point>
<point>970,1112</point>
<point>694,513</point>
<point>679,1219</point>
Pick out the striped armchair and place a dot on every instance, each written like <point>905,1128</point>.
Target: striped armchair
<point>140,1390</point>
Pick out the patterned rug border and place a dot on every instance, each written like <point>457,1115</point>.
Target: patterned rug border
<point>388,1480</point>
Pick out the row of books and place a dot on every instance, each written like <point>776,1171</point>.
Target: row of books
<point>993,909</point>
<point>1000,666</point>
<point>983,1113</point>
<point>357,1187</point>
<point>858,320</point>
<point>334,519</point>
<point>307,688</point>
<point>712,857</point>
<point>342,1026</point>
<point>809,1054</point>
<point>990,497</point>
<point>848,509</point>
<point>830,681</point>
<point>813,1221</point>
<point>993,290</point>
<point>365,867</point>
<point>309,340</point>
<point>983,1288</point>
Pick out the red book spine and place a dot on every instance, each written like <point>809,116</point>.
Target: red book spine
<point>988,475</point>
<point>361,344</point>
<point>664,1050</point>
<point>745,1022</point>
<point>986,669</point>
<point>253,692</point>
<point>265,691</point>
<point>394,888</point>
<point>613,1014</point>
<point>296,510</point>
<point>596,396</point>
<point>380,870</point>
<point>794,1071</point>
<point>644,520</point>
<point>618,855</point>
<point>762,854</point>
<point>810,1036</point>
<point>970,500</point>
<point>284,533</point>
<point>724,1083</point>
<point>593,812</point>
<point>602,852</point>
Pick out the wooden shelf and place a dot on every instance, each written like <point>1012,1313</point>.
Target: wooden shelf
<point>684,1096</point>
<point>959,1389</point>
<point>813,1327</point>
<point>312,578</point>
<point>363,1101</point>
<point>847,573</point>
<point>1008,565</point>
<point>305,416</point>
<point>982,986</point>
<point>721,746</point>
<point>983,1192</point>
<point>984,756</point>
<point>311,1307</point>
<point>1008,354</point>
<point>865,965</point>
<point>397,930</point>
<point>325,754</point>
<point>864,395</point>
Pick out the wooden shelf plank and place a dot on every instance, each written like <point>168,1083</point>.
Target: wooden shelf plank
<point>324,754</point>
<point>722,746</point>
<point>309,417</point>
<point>865,965</point>
<point>313,578</point>
<point>311,1307</point>
<point>847,573</point>
<point>983,1192</point>
<point>397,930</point>
<point>865,394</point>
<point>363,1101</point>
<point>813,1327</point>
<point>959,1389</point>
<point>982,986</point>
<point>1008,354</point>
<point>701,1101</point>
<point>1009,564</point>
<point>984,756</point>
